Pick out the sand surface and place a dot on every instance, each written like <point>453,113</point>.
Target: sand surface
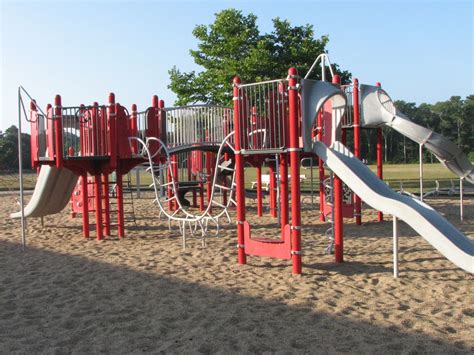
<point>143,293</point>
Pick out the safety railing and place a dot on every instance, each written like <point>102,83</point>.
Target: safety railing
<point>263,116</point>
<point>200,124</point>
<point>348,118</point>
<point>86,131</point>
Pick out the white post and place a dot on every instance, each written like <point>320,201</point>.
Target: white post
<point>461,199</point>
<point>20,170</point>
<point>395,247</point>
<point>421,172</point>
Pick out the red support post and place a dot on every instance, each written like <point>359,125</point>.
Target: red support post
<point>273,199</point>
<point>356,124</point>
<point>295,171</point>
<point>259,190</point>
<point>120,217</point>
<point>379,159</point>
<point>134,128</point>
<point>338,220</point>
<point>58,128</point>
<point>321,169</point>
<point>240,178</point>
<point>85,206</point>
<point>106,206</point>
<point>98,206</point>
<point>112,116</point>
<point>174,160</point>
<point>284,218</point>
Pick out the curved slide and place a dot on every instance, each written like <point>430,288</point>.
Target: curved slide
<point>52,192</point>
<point>448,240</point>
<point>378,109</point>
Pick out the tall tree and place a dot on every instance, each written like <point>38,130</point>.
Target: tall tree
<point>9,150</point>
<point>233,45</point>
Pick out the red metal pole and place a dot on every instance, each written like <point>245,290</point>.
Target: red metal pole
<point>273,200</point>
<point>120,217</point>
<point>134,128</point>
<point>98,207</point>
<point>85,206</point>
<point>259,190</point>
<point>356,123</point>
<point>58,127</point>
<point>321,169</point>
<point>379,159</point>
<point>112,131</point>
<point>240,177</point>
<point>284,191</point>
<point>338,220</point>
<point>106,204</point>
<point>295,172</point>
<point>174,159</point>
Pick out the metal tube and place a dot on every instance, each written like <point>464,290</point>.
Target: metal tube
<point>295,173</point>
<point>20,171</point>
<point>338,216</point>
<point>379,163</point>
<point>421,171</point>
<point>461,198</point>
<point>120,217</point>
<point>259,190</point>
<point>85,206</point>
<point>395,247</point>
<point>240,178</point>
<point>356,113</point>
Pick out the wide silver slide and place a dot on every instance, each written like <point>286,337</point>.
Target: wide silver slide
<point>433,227</point>
<point>52,192</point>
<point>378,109</point>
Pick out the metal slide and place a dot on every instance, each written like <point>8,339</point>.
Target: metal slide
<point>448,240</point>
<point>52,192</point>
<point>378,109</point>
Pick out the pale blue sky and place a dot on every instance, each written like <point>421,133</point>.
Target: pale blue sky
<point>420,51</point>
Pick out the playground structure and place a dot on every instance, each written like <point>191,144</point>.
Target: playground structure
<point>199,149</point>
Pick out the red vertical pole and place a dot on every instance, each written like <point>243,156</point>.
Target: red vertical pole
<point>174,159</point>
<point>134,128</point>
<point>170,189</point>
<point>284,191</point>
<point>85,206</point>
<point>259,190</point>
<point>338,220</point>
<point>295,172</point>
<point>379,159</point>
<point>113,149</point>
<point>273,200</point>
<point>58,127</point>
<point>106,204</point>
<point>98,206</point>
<point>120,217</point>
<point>356,124</point>
<point>239,177</point>
<point>321,169</point>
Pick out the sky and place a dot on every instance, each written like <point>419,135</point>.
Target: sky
<point>421,51</point>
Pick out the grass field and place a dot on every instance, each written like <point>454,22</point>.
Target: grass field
<point>393,174</point>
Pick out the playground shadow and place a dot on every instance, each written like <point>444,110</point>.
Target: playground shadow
<point>53,302</point>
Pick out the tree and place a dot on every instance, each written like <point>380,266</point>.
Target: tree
<point>233,45</point>
<point>9,150</point>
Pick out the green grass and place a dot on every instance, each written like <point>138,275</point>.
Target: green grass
<point>393,174</point>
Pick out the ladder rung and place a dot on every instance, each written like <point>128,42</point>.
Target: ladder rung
<point>223,187</point>
<point>218,204</point>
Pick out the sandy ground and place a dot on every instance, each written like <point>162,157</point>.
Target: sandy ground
<point>143,293</point>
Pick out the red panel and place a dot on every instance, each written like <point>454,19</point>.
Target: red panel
<point>262,246</point>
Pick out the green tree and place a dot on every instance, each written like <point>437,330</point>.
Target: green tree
<point>233,45</point>
<point>9,150</point>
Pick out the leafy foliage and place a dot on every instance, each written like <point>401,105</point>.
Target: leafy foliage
<point>9,150</point>
<point>233,45</point>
